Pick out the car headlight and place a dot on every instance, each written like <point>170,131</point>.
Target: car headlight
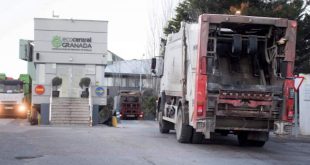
<point>21,108</point>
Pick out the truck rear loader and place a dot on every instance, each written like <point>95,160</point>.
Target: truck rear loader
<point>129,103</point>
<point>228,74</point>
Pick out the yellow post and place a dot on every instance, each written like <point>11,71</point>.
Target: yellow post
<point>39,119</point>
<point>114,121</point>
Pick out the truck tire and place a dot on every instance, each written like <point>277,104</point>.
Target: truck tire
<point>105,114</point>
<point>33,121</point>
<point>183,131</point>
<point>244,141</point>
<point>257,143</point>
<point>163,125</point>
<point>243,138</point>
<point>23,116</point>
<point>33,117</point>
<point>197,138</point>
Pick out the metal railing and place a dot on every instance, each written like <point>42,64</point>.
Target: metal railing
<point>90,102</point>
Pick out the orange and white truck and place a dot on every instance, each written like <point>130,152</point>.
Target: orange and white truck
<point>14,96</point>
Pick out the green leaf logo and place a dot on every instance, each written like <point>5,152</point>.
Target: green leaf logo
<point>56,41</point>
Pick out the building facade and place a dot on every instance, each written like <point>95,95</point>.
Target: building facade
<point>128,75</point>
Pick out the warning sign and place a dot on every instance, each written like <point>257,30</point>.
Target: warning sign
<point>297,82</point>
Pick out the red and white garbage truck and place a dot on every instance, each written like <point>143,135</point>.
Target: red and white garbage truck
<point>228,74</point>
<point>128,103</point>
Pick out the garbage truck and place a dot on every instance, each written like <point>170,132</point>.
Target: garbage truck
<point>228,74</point>
<point>129,103</point>
<point>15,97</point>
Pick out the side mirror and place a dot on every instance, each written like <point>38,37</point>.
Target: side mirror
<point>37,56</point>
<point>25,50</point>
<point>153,66</point>
<point>30,53</point>
<point>157,67</point>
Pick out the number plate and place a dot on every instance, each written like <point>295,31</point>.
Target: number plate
<point>8,107</point>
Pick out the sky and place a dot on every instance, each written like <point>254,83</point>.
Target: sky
<point>131,25</point>
<point>128,27</point>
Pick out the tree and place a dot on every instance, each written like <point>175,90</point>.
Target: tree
<point>189,11</point>
<point>159,14</point>
<point>302,64</point>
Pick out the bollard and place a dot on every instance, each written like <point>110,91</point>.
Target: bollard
<point>39,119</point>
<point>114,121</point>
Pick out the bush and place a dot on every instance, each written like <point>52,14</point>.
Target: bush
<point>149,104</point>
<point>84,82</point>
<point>57,81</point>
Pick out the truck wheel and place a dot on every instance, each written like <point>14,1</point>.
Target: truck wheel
<point>163,125</point>
<point>243,138</point>
<point>257,143</point>
<point>33,118</point>
<point>33,121</point>
<point>183,131</point>
<point>197,137</point>
<point>29,117</point>
<point>23,116</point>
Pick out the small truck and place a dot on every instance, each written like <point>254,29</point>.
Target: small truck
<point>13,101</point>
<point>228,74</point>
<point>129,104</point>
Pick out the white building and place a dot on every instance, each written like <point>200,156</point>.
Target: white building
<point>71,50</point>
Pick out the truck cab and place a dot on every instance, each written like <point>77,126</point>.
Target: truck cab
<point>12,99</point>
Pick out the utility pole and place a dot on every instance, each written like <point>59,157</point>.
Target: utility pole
<point>141,62</point>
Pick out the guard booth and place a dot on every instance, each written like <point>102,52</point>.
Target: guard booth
<point>68,59</point>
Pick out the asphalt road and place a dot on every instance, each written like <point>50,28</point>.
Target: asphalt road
<point>134,142</point>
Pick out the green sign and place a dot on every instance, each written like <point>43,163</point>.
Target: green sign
<point>56,41</point>
<point>71,43</point>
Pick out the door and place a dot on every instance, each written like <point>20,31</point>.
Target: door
<point>71,76</point>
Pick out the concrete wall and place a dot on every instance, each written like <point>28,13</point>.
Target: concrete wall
<point>70,41</point>
<point>304,106</point>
